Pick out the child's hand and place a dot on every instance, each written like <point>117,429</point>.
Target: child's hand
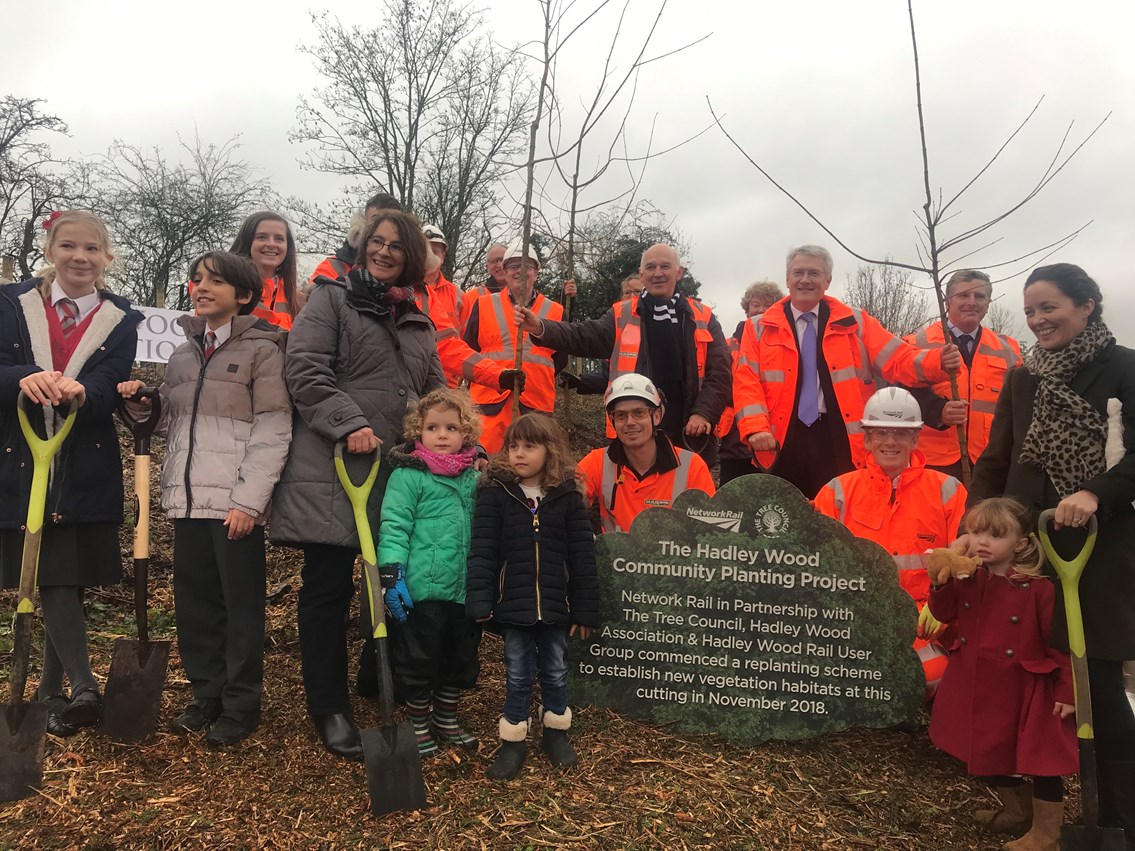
<point>42,387</point>
<point>71,390</point>
<point>947,564</point>
<point>584,631</point>
<point>239,523</point>
<point>1064,709</point>
<point>129,389</point>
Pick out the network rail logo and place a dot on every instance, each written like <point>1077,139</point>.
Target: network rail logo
<point>730,521</point>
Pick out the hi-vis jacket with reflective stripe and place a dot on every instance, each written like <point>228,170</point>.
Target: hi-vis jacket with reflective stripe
<point>495,335</point>
<point>470,297</point>
<point>334,268</point>
<point>856,348</point>
<point>623,496</point>
<point>980,384</point>
<point>441,302</point>
<point>617,334</point>
<point>920,513</point>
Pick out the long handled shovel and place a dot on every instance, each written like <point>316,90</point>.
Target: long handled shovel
<point>133,695</point>
<point>1090,836</point>
<point>25,724</point>
<point>394,767</point>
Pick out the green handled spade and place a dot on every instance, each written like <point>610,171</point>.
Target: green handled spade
<point>393,765</point>
<point>25,724</point>
<point>1090,836</point>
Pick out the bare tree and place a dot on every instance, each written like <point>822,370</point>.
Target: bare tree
<point>424,106</point>
<point>162,212</point>
<point>29,184</point>
<point>888,293</point>
<point>1004,321</point>
<point>939,254</point>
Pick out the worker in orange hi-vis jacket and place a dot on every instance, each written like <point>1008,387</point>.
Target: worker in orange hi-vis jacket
<point>640,468</point>
<point>496,282</point>
<point>339,265</point>
<point>492,336</point>
<point>441,301</point>
<point>902,505</point>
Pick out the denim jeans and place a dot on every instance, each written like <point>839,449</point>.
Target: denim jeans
<point>527,650</point>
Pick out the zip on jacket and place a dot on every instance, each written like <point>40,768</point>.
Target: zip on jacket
<point>199,348</point>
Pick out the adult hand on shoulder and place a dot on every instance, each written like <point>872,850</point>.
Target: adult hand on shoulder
<point>762,441</point>
<point>42,387</point>
<point>955,412</point>
<point>697,424</point>
<point>951,358</point>
<point>1075,510</point>
<point>239,523</point>
<point>528,321</point>
<point>363,441</point>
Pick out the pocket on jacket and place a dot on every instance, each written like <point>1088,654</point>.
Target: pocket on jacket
<point>1040,667</point>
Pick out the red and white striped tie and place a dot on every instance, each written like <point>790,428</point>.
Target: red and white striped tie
<point>210,344</point>
<point>68,316</point>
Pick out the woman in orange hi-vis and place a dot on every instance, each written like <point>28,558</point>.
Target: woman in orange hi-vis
<point>267,240</point>
<point>900,504</point>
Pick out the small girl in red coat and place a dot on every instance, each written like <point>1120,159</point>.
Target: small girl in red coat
<point>1005,703</point>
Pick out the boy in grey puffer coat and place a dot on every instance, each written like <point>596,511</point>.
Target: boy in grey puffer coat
<point>229,425</point>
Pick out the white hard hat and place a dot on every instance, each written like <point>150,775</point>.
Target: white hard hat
<point>433,234</point>
<point>632,385</point>
<point>892,407</point>
<point>515,251</point>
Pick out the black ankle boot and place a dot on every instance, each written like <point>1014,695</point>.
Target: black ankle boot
<point>339,735</point>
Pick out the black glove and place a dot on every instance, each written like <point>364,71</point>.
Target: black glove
<point>569,380</point>
<point>512,379</point>
<point>388,574</point>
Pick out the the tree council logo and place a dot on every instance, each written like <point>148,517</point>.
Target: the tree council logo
<point>772,520</point>
<point>730,521</point>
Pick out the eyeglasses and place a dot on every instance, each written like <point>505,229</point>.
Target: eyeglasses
<point>896,433</point>
<point>393,247</point>
<point>636,414</point>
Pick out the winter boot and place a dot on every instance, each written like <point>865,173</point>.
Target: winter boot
<point>1044,835</point>
<point>512,751</point>
<point>1015,813</point>
<point>445,720</point>
<point>418,714</point>
<point>555,737</point>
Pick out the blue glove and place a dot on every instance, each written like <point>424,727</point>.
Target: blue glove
<point>398,599</point>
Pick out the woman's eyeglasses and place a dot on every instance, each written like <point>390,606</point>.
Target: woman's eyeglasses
<point>392,247</point>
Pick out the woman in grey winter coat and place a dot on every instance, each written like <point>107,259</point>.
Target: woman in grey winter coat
<point>359,352</point>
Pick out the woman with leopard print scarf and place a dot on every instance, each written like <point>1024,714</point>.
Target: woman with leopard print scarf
<point>1047,449</point>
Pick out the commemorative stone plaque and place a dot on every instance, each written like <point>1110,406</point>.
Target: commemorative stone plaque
<point>749,615</point>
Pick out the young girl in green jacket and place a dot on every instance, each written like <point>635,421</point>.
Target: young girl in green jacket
<point>427,515</point>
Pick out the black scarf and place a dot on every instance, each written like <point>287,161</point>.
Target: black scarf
<point>1062,418</point>
<point>386,297</point>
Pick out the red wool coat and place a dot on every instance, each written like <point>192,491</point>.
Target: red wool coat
<point>994,706</point>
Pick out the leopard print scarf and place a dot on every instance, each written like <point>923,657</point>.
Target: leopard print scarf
<point>1066,437</point>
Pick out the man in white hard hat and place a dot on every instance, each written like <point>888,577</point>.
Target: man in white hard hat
<point>640,468</point>
<point>492,334</point>
<point>440,300</point>
<point>900,504</point>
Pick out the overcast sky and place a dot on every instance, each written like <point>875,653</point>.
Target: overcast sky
<point>820,92</point>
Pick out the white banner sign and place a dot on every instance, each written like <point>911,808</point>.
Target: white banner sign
<point>159,334</point>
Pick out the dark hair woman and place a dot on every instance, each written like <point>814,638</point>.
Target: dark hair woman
<point>1063,437</point>
<point>358,354</point>
<point>266,239</point>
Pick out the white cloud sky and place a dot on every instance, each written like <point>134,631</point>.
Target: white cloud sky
<point>819,91</point>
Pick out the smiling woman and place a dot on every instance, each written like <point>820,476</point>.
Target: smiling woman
<point>267,240</point>
<point>1048,448</point>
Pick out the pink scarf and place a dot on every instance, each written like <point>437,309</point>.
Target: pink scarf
<point>444,465</point>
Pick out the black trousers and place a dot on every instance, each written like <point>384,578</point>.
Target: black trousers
<point>436,647</point>
<point>734,468</point>
<point>219,597</point>
<point>324,605</point>
<point>814,455</point>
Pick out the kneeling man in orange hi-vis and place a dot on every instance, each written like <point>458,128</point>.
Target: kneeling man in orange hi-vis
<point>641,468</point>
<point>902,505</point>
<point>492,334</point>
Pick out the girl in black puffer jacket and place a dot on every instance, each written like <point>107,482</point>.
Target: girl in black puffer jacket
<point>532,572</point>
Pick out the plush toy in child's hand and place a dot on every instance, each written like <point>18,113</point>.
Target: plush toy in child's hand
<point>947,564</point>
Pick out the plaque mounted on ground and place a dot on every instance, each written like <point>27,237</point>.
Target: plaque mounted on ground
<point>749,615</point>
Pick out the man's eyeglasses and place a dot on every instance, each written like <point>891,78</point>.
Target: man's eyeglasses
<point>393,247</point>
<point>896,433</point>
<point>637,414</point>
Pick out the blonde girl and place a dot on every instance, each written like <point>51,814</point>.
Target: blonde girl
<point>1005,703</point>
<point>532,575</point>
<point>427,514</point>
<point>67,342</point>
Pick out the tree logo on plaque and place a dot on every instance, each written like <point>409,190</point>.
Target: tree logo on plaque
<point>750,615</point>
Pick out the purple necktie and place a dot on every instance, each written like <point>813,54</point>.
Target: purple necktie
<point>809,409</point>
